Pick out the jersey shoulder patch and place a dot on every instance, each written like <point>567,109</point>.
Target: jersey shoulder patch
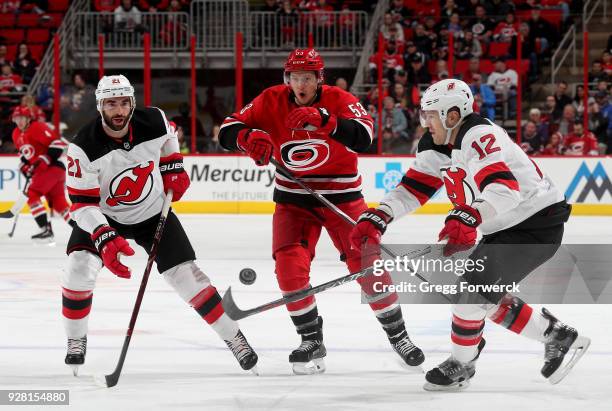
<point>426,143</point>
<point>471,121</point>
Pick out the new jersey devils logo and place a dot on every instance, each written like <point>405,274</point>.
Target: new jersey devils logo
<point>131,186</point>
<point>458,190</point>
<point>303,155</point>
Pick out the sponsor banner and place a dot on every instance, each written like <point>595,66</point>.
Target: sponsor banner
<point>234,184</point>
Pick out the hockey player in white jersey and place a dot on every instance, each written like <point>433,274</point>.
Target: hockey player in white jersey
<point>119,167</point>
<point>496,188</point>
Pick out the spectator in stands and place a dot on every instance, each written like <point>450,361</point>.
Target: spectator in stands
<point>467,46</point>
<point>554,146</point>
<point>37,114</point>
<point>153,6</point>
<point>128,17</point>
<point>173,30</point>
<point>528,50</point>
<point>401,14</point>
<point>598,124</point>
<point>24,64</point>
<point>441,71</point>
<point>487,97</point>
<point>561,98</point>
<point>3,54</point>
<point>307,5</point>
<point>504,82</point>
<point>506,29</point>
<point>580,143</point>
<point>426,8</point>
<point>535,116</point>
<point>578,101</point>
<point>532,141</point>
<point>417,72</point>
<point>482,26</point>
<point>183,123</point>
<point>347,21</point>
<point>390,26</point>
<point>499,7</point>
<point>289,17</point>
<point>9,6</point>
<point>606,62</point>
<point>550,113</point>
<point>392,62</point>
<point>597,73</point>
<point>422,40</point>
<point>394,119</point>
<point>106,5</point>
<point>450,8</point>
<point>602,99</point>
<point>77,103</point>
<point>542,30</point>
<point>472,69</point>
<point>410,50</point>
<point>342,83</point>
<point>566,124</point>
<point>9,82</point>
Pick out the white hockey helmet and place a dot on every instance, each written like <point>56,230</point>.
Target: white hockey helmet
<point>114,86</point>
<point>443,96</point>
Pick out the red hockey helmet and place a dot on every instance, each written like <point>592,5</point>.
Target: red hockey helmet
<point>304,60</point>
<point>21,111</point>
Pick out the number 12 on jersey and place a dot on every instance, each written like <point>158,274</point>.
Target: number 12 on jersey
<point>489,148</point>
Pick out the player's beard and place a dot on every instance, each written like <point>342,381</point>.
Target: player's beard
<point>109,122</point>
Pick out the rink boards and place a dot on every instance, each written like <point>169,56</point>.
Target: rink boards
<point>234,184</point>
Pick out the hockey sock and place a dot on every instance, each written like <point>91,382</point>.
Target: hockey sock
<point>76,306</point>
<point>39,213</point>
<point>392,322</point>
<point>465,337</point>
<point>67,218</point>
<point>517,316</point>
<point>208,305</point>
<point>305,321</point>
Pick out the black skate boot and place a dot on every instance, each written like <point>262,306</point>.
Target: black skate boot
<point>244,353</point>
<point>452,375</point>
<point>411,354</point>
<point>308,357</point>
<point>75,357</point>
<point>560,339</point>
<point>45,236</point>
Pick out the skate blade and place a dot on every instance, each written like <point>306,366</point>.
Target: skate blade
<point>578,349</point>
<point>44,242</point>
<point>75,369</point>
<point>316,366</point>
<point>100,381</point>
<point>413,369</point>
<point>457,386</point>
<point>255,370</point>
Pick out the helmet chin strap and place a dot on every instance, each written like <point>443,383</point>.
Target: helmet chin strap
<point>449,131</point>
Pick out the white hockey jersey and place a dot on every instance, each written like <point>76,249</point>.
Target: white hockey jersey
<point>483,164</point>
<point>120,180</point>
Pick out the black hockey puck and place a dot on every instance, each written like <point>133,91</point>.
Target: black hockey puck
<point>247,276</point>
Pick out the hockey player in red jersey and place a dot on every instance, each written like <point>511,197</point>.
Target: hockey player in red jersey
<point>496,188</point>
<point>40,149</point>
<point>119,166</point>
<point>316,131</point>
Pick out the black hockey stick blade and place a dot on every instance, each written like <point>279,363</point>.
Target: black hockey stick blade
<point>7,214</point>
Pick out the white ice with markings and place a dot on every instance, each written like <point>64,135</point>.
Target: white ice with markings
<point>177,362</point>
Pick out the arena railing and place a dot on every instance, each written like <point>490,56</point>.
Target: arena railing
<point>330,30</point>
<point>169,31</point>
<point>215,23</point>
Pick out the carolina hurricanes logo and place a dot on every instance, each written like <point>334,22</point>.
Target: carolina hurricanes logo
<point>303,155</point>
<point>458,190</point>
<point>131,186</point>
<point>27,150</point>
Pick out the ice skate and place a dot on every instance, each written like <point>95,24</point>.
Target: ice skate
<point>308,357</point>
<point>244,353</point>
<point>561,340</point>
<point>75,357</point>
<point>411,355</point>
<point>452,375</point>
<point>45,237</point>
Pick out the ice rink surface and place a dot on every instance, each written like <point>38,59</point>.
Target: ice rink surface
<point>177,362</point>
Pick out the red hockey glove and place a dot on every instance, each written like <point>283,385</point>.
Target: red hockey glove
<point>111,245</point>
<point>25,167</point>
<point>312,119</point>
<point>174,175</point>
<point>370,227</point>
<point>257,144</point>
<point>40,165</point>
<point>460,229</point>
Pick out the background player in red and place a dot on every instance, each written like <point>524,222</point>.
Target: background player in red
<point>580,143</point>
<point>316,131</point>
<point>40,149</point>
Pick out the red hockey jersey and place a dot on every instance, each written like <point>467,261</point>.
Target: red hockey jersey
<point>322,162</point>
<point>36,140</point>
<point>584,145</point>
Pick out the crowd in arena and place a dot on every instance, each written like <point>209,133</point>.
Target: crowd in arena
<point>416,39</point>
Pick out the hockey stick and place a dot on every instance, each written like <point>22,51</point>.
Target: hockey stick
<point>333,208</point>
<point>111,380</point>
<point>235,313</point>
<point>14,211</point>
